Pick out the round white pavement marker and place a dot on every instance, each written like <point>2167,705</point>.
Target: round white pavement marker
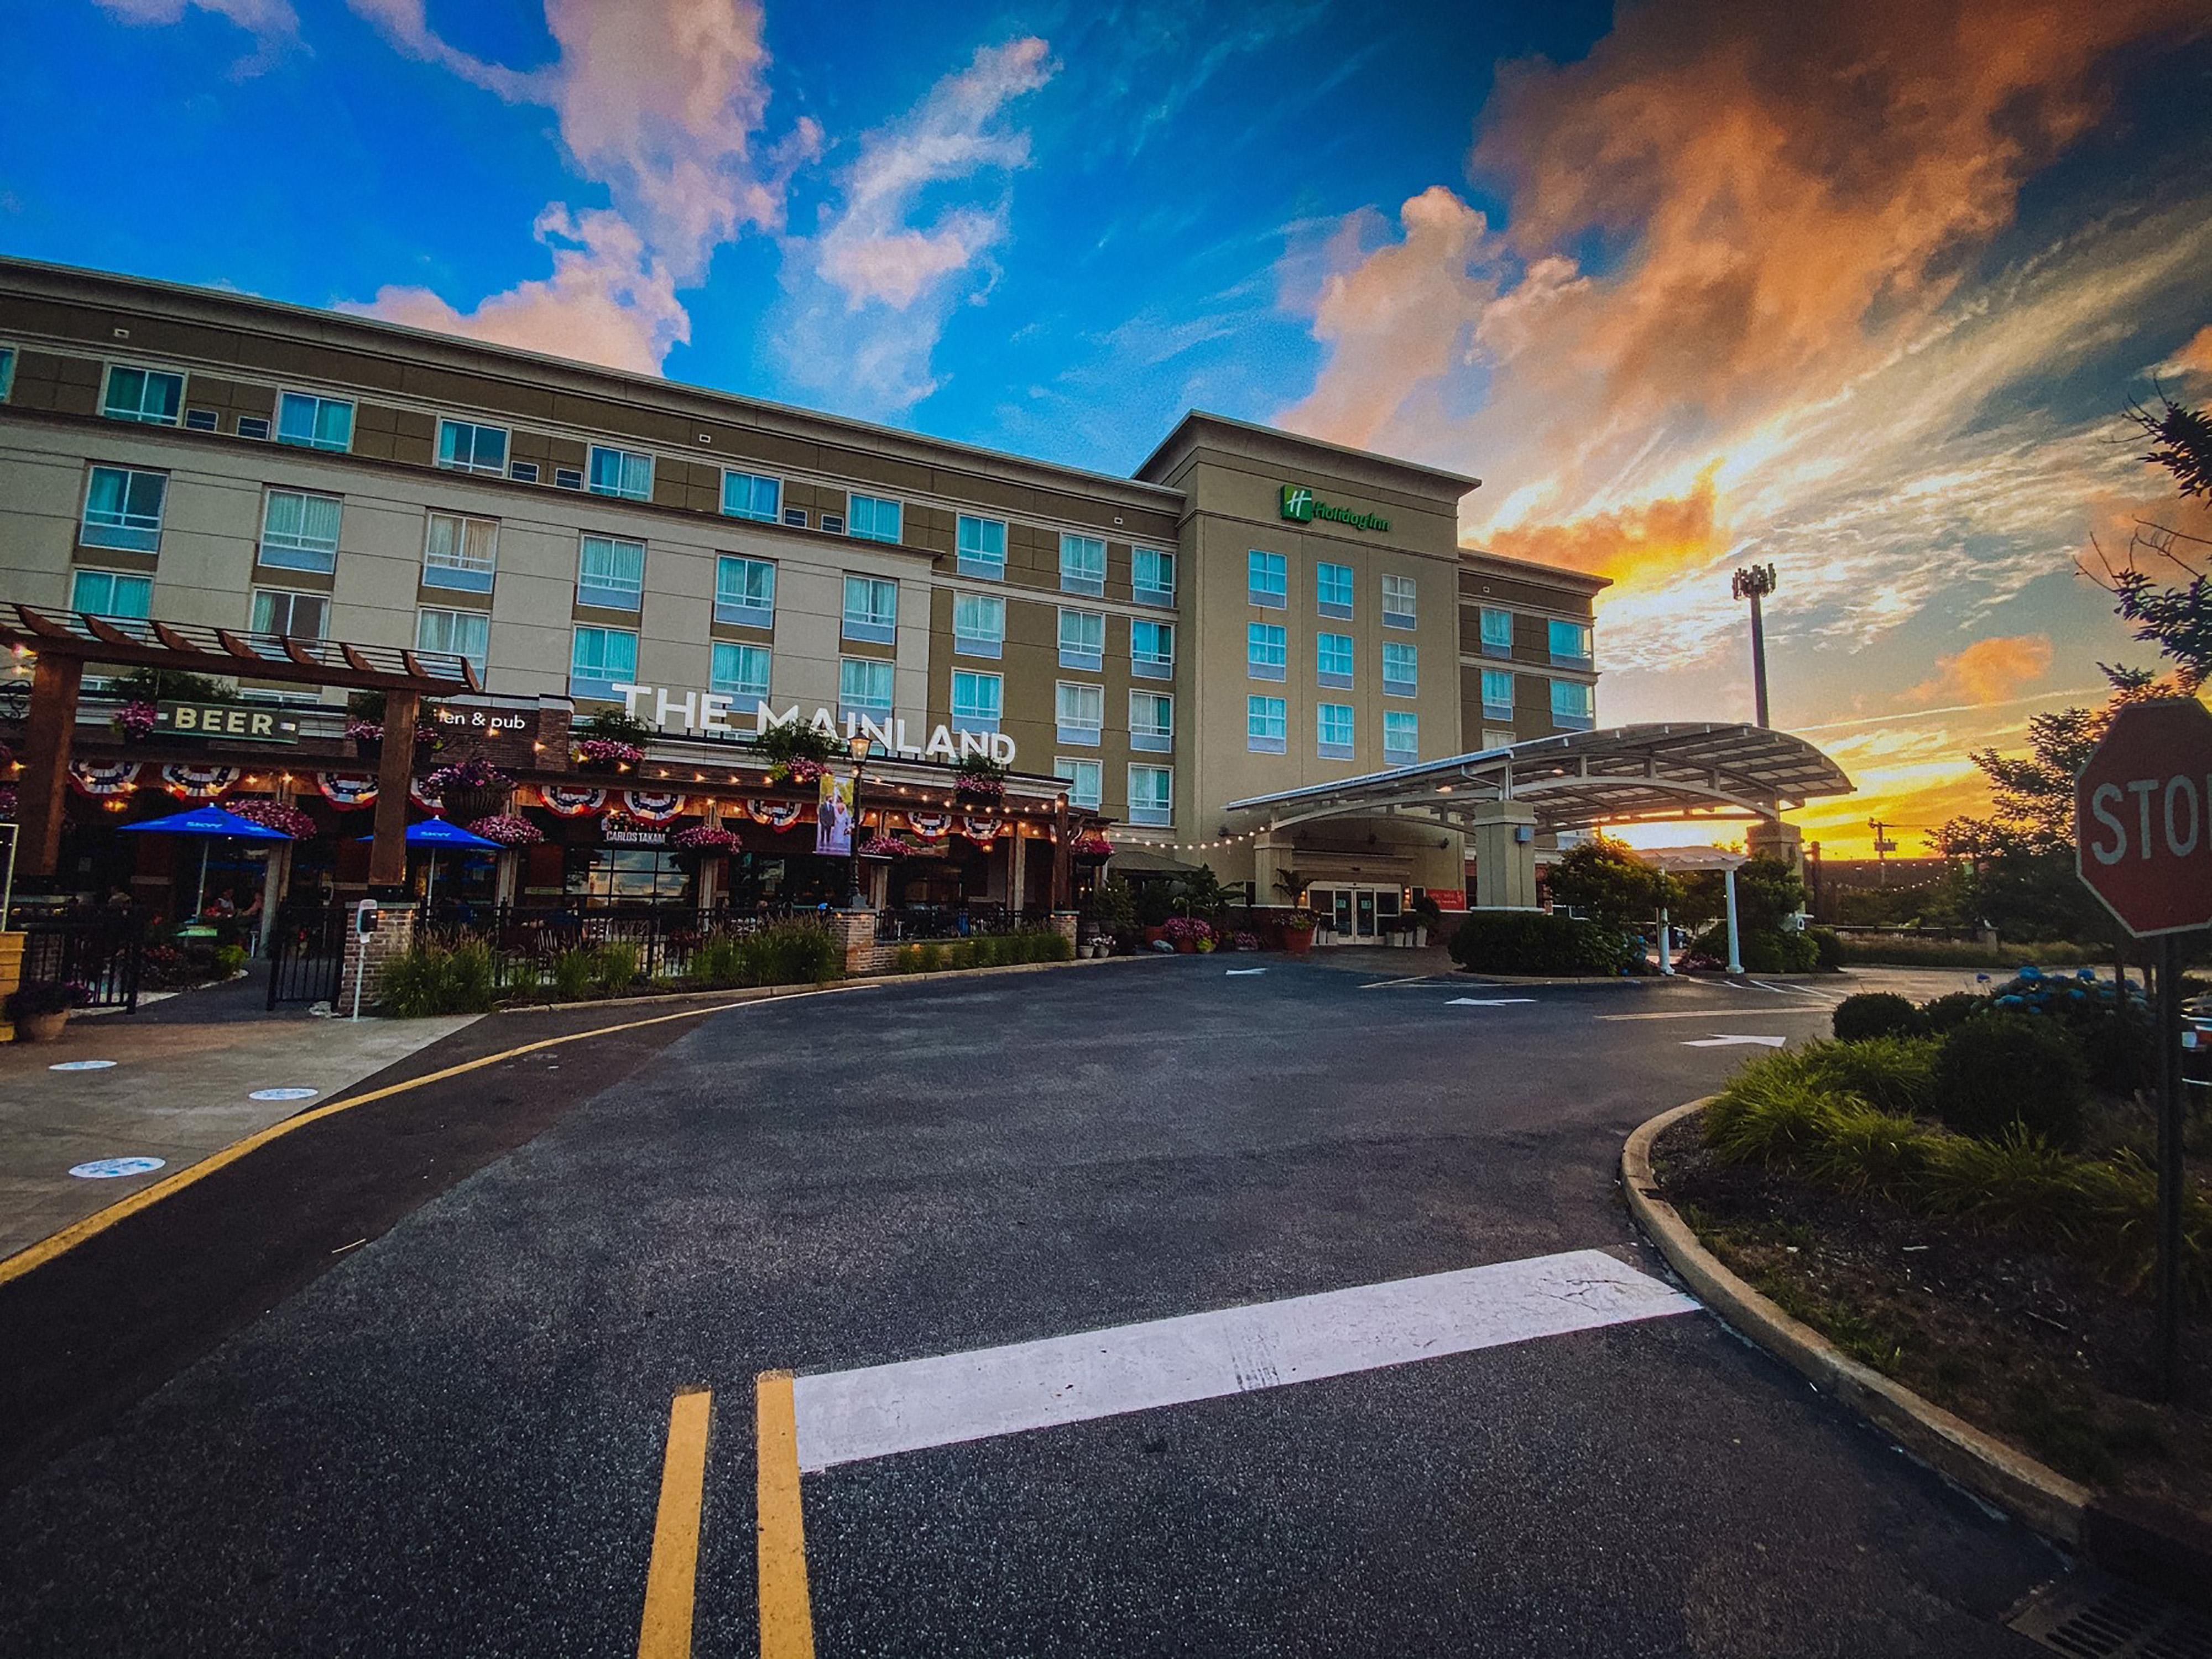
<point>113,1169</point>
<point>283,1094</point>
<point>80,1065</point>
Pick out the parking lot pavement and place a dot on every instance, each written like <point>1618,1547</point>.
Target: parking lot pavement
<point>454,1440</point>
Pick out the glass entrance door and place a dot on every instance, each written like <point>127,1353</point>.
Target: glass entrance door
<point>1356,914</point>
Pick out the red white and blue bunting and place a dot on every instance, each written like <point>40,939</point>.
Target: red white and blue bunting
<point>982,831</point>
<point>652,805</point>
<point>930,826</point>
<point>570,800</point>
<point>103,779</point>
<point>776,814</point>
<point>346,790</point>
<point>429,800</point>
<point>188,783</point>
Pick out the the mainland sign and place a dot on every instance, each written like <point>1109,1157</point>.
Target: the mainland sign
<point>1301,506</point>
<point>707,713</point>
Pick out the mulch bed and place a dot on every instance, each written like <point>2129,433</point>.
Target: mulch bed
<point>2037,1349</point>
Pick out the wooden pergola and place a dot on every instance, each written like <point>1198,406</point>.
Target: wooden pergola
<point>64,641</point>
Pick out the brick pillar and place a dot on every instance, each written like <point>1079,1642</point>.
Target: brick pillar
<point>856,932</point>
<point>1063,923</point>
<point>11,975</point>
<point>394,936</point>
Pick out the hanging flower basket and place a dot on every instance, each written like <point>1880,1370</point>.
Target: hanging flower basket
<point>703,838</point>
<point>607,754</point>
<point>1092,847</point>
<point>276,814</point>
<point>135,723</point>
<point>473,789</point>
<point>798,769</point>
<point>508,831</point>
<point>884,846</point>
<point>975,785</point>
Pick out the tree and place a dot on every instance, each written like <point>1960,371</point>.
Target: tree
<point>1604,881</point>
<point>2176,617</point>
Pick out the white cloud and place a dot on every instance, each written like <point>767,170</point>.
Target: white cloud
<point>266,20</point>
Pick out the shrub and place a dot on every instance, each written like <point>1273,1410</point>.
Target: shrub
<point>433,979</point>
<point>1765,951</point>
<point>2005,1069</point>
<point>1896,1075</point>
<point>1771,1112</point>
<point>614,967</point>
<point>1914,950</point>
<point>1536,942</point>
<point>796,952</point>
<point>574,973</point>
<point>44,996</point>
<point>932,958</point>
<point>961,955</point>
<point>229,959</point>
<point>720,962</point>
<point>1827,948</point>
<point>1947,1013</point>
<point>1861,1149</point>
<point>907,959</point>
<point>1877,1013</point>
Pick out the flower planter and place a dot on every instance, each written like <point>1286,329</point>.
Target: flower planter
<point>464,803</point>
<point>42,1028</point>
<point>1297,941</point>
<point>1154,935</point>
<point>1185,947</point>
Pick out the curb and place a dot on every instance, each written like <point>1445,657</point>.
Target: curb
<point>2045,1499</point>
<point>760,993</point>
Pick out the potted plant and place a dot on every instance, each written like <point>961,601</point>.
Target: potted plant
<point>795,752</point>
<point>980,780</point>
<point>41,1009</point>
<point>474,788</point>
<point>508,831</point>
<point>1298,932</point>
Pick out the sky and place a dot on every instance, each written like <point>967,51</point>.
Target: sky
<point>1862,292</point>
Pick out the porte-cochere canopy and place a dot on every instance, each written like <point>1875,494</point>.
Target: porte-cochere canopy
<point>1577,780</point>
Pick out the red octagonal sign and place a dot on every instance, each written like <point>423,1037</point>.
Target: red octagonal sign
<point>2143,817</point>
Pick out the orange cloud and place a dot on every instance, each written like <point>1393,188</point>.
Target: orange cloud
<point>1652,541</point>
<point>2196,357</point>
<point>1988,670</point>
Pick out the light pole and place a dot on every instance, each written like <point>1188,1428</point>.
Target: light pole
<point>858,746</point>
<point>1755,582</point>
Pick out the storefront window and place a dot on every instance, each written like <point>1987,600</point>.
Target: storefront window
<point>625,875</point>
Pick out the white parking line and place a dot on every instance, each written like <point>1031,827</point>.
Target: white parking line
<point>846,1417</point>
<point>1486,1002</point>
<point>1772,1012</point>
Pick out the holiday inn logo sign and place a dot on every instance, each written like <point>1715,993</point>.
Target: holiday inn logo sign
<point>1300,506</point>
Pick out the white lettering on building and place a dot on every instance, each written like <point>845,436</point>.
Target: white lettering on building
<point>708,713</point>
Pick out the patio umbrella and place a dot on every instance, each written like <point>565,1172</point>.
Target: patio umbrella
<point>209,823</point>
<point>434,833</point>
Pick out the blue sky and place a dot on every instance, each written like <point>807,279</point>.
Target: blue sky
<point>1861,291</point>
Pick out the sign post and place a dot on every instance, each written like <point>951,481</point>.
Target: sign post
<point>364,924</point>
<point>2142,838</point>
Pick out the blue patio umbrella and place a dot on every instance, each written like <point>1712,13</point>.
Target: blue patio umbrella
<point>209,823</point>
<point>434,833</point>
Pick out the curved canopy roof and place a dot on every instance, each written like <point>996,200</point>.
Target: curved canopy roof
<point>1577,780</point>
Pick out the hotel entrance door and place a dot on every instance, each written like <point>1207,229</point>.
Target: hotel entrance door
<point>1355,915</point>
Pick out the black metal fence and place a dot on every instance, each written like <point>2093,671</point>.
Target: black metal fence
<point>307,953</point>
<point>102,950</point>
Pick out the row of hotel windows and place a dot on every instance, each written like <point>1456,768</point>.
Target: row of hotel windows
<point>1267,586</point>
<point>1151,789</point>
<point>1267,657</point>
<point>156,397</point>
<point>1268,725</point>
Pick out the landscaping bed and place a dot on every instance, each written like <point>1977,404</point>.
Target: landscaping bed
<point>1961,1198</point>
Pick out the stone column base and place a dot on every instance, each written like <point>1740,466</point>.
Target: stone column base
<point>855,931</point>
<point>394,937</point>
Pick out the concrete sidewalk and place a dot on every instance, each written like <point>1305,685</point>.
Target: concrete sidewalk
<point>179,1091</point>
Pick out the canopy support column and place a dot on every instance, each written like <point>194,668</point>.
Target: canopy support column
<point>42,787</point>
<point>1504,835</point>
<point>395,769</point>
<point>1735,941</point>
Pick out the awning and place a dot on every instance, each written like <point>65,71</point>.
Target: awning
<point>1579,780</point>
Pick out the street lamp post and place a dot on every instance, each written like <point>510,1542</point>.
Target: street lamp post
<point>858,746</point>
<point>1755,582</point>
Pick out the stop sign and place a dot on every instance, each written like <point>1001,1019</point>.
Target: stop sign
<point>2143,817</point>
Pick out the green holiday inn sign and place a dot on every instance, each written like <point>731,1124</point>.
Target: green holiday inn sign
<point>1299,507</point>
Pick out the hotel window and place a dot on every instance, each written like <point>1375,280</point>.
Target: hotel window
<point>1397,602</point>
<point>1496,695</point>
<point>314,423</point>
<point>1401,739</point>
<point>459,553</point>
<point>1571,644</point>
<point>980,546</point>
<point>749,495</point>
<point>123,508</point>
<point>1267,577</point>
<point>1496,633</point>
<point>1082,565</point>
<point>622,472</point>
<point>1151,650</point>
<point>7,372</point>
<point>1083,640</point>
<point>611,573</point>
<point>601,659</point>
<point>1333,660</point>
<point>1152,721</point>
<point>111,593</point>
<point>978,700</point>
<point>1401,670</point>
<point>1267,649</point>
<point>979,625</point>
<point>1267,725</point>
<point>870,609</point>
<point>872,519</point>
<point>289,616</point>
<point>1333,590</point>
<point>143,394</point>
<point>738,672</point>
<point>1084,778</point>
<point>1332,731</point>
<point>467,633</point>
<point>1151,795</point>
<point>523,471</point>
<point>467,446</point>
<point>299,531</point>
<point>1574,705</point>
<point>864,687</point>
<point>1151,576</point>
<point>745,592</point>
<point>1079,712</point>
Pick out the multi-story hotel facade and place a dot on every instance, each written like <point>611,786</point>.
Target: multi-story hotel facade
<point>1252,611</point>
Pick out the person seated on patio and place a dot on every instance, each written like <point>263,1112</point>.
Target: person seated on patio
<point>251,912</point>
<point>119,899</point>
<point>222,905</point>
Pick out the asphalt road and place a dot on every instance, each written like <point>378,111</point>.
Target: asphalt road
<point>449,1440</point>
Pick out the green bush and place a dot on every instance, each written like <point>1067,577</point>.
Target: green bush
<point>795,952</point>
<point>1910,950</point>
<point>1861,1149</point>
<point>1896,1075</point>
<point>1537,942</point>
<point>574,972</point>
<point>431,979</point>
<point>932,958</point>
<point>229,958</point>
<point>961,954</point>
<point>614,967</point>
<point>1876,1013</point>
<point>1827,948</point>
<point>907,959</point>
<point>1764,949</point>
<point>720,962</point>
<point>1947,1013</point>
<point>2003,1069</point>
